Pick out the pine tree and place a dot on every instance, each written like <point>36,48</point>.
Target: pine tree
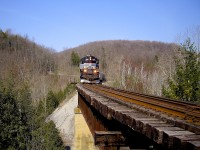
<point>185,84</point>
<point>52,102</point>
<point>75,59</point>
<point>12,126</point>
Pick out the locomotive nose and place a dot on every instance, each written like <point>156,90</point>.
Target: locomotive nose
<point>89,70</point>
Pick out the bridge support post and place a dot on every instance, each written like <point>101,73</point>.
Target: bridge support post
<point>83,138</point>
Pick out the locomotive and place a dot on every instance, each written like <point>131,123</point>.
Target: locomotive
<point>89,70</point>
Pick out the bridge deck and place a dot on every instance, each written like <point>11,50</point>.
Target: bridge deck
<point>157,129</point>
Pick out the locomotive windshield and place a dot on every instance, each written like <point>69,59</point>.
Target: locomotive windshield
<point>89,59</point>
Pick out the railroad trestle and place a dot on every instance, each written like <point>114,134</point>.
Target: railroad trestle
<point>116,124</point>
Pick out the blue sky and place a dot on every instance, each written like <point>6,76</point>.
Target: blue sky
<point>61,24</point>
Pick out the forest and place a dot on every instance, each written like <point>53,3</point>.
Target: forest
<point>28,94</point>
<point>34,79</point>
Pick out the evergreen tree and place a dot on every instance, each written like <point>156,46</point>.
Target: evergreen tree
<point>13,127</point>
<point>52,102</point>
<point>185,84</point>
<point>75,59</point>
<point>26,114</point>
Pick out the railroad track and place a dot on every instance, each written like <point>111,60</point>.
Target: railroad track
<point>188,112</point>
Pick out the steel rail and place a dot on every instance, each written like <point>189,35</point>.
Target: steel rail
<point>187,111</point>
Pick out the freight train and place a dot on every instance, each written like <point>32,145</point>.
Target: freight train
<point>89,70</point>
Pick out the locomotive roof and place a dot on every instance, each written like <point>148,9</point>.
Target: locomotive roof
<point>89,56</point>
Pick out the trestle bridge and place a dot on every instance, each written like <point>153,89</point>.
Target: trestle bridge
<point>121,119</point>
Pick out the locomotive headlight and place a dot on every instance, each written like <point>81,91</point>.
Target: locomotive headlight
<point>95,71</point>
<point>84,70</point>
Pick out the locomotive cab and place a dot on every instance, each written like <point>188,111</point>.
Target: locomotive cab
<point>89,69</point>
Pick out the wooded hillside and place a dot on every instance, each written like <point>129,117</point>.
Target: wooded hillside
<point>142,66</point>
<point>25,61</point>
<point>26,98</point>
